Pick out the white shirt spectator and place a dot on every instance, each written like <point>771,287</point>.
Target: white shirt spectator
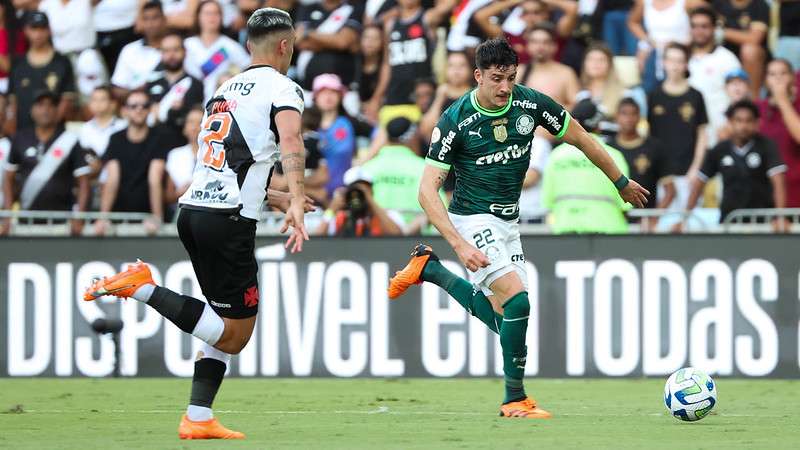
<point>90,72</point>
<point>135,65</point>
<point>180,165</point>
<point>112,15</point>
<point>208,63</point>
<point>94,137</point>
<point>71,24</point>
<point>230,11</point>
<point>5,147</point>
<point>707,75</point>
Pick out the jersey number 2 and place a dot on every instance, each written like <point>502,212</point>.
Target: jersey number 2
<point>214,131</point>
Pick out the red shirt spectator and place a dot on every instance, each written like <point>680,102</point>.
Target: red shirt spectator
<point>12,44</point>
<point>774,111</point>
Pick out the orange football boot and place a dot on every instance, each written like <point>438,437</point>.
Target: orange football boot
<point>412,272</point>
<point>525,408</point>
<point>123,284</point>
<point>207,429</point>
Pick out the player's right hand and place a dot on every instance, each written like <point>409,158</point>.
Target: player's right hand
<point>634,194</point>
<point>472,258</point>
<point>294,219</point>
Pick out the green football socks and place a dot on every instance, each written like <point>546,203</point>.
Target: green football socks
<point>512,339</point>
<point>460,289</point>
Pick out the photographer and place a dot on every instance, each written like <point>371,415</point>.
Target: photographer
<point>354,213</point>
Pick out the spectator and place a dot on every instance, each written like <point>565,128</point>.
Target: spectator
<point>5,147</point>
<point>181,14</point>
<point>45,163</point>
<point>41,68</point>
<point>396,172</point>
<point>353,212</point>
<point>600,81</point>
<point>327,37</point>
<point>316,173</point>
<point>175,93</point>
<point>336,131</point>
<point>677,116</point>
<point>90,73</point>
<point>114,21</point>
<point>95,133</point>
<point>751,168</point>
<point>71,25</point>
<point>589,203</point>
<point>737,87</point>
<point>458,81</point>
<point>544,73</point>
<point>708,67</point>
<point>211,53</point>
<point>656,23</point>
<point>134,162</point>
<point>139,59</point>
<point>616,33</point>
<point>12,42</point>
<point>788,45</point>
<point>410,41</point>
<point>465,34</point>
<point>647,158</point>
<point>424,91</point>
<point>780,121</point>
<point>181,160</point>
<point>744,32</point>
<point>514,18</point>
<point>371,61</point>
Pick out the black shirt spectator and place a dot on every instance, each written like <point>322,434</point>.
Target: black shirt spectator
<point>648,162</point>
<point>741,17</point>
<point>674,121</point>
<point>41,68</point>
<point>328,34</point>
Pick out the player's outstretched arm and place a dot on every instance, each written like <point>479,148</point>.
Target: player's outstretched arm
<point>432,180</point>
<point>293,159</point>
<point>629,190</point>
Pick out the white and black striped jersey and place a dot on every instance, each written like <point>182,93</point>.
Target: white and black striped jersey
<point>238,142</point>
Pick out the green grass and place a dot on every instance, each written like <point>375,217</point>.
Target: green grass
<point>398,414</point>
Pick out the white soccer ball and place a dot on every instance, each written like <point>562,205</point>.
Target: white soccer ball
<point>690,394</point>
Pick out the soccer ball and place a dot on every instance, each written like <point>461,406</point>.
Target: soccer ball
<point>690,394</point>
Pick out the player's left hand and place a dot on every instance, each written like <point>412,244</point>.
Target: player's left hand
<point>294,219</point>
<point>634,194</point>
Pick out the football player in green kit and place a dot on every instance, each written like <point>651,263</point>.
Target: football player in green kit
<point>485,136</point>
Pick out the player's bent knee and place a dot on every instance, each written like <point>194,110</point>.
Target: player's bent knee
<point>517,307</point>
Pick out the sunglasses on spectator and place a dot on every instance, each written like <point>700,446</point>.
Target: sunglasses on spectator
<point>137,105</point>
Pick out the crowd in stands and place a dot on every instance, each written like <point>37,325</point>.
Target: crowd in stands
<point>102,100</point>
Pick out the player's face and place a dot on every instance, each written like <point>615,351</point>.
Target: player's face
<point>192,126</point>
<point>172,53</point>
<point>702,29</point>
<point>737,89</point>
<point>210,17</point>
<point>136,109</point>
<point>675,64</point>
<point>596,64</point>
<point>627,119</point>
<point>496,83</point>
<point>458,70</point>
<point>100,103</point>
<point>744,125</point>
<point>541,47</point>
<point>44,113</point>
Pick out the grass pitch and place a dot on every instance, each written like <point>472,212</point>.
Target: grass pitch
<point>396,414</point>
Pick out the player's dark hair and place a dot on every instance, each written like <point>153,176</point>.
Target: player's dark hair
<point>312,118</point>
<point>153,4</point>
<point>265,21</point>
<point>704,11</point>
<point>495,52</point>
<point>742,104</point>
<point>628,101</point>
<point>547,27</point>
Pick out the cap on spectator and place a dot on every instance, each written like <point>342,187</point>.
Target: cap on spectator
<point>37,19</point>
<point>735,74</point>
<point>356,174</point>
<point>46,93</point>
<point>400,129</point>
<point>327,81</point>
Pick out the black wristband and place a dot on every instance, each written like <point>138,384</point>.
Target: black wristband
<point>621,182</point>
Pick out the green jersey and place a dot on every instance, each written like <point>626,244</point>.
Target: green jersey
<point>491,150</point>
